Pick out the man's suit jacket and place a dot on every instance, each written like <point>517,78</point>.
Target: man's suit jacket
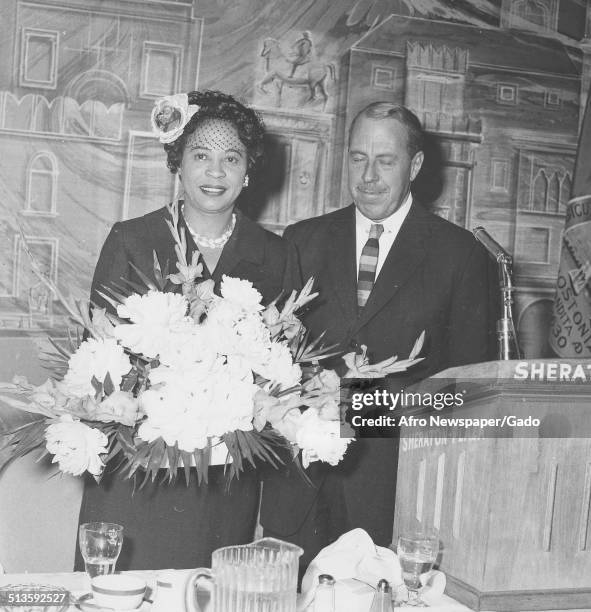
<point>251,253</point>
<point>436,278</point>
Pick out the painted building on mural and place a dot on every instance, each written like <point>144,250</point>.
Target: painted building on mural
<point>75,142</point>
<point>500,98</point>
<point>502,111</point>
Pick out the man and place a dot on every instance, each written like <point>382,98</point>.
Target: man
<point>386,269</point>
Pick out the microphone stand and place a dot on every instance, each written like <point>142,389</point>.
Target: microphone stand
<point>506,336</point>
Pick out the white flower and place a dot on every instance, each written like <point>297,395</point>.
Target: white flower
<point>120,407</point>
<point>320,439</point>
<point>168,411</point>
<point>325,381</point>
<point>280,367</point>
<point>170,115</point>
<point>154,318</point>
<point>76,446</point>
<point>190,405</point>
<point>241,292</point>
<point>95,358</point>
<point>185,343</point>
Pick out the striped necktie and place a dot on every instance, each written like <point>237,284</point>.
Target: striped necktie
<point>368,262</point>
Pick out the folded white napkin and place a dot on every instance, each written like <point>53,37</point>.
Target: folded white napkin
<point>354,557</point>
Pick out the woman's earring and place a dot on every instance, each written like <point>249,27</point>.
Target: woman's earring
<point>245,182</point>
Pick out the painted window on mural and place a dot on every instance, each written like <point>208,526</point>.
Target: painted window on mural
<point>39,58</point>
<point>506,94</point>
<point>41,198</point>
<point>161,69</point>
<point>551,191</point>
<point>532,11</point>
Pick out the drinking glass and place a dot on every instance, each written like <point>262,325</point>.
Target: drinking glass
<point>417,552</point>
<point>100,545</point>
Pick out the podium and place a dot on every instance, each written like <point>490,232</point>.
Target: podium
<point>513,507</point>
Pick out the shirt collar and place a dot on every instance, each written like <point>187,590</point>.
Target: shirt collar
<point>391,223</point>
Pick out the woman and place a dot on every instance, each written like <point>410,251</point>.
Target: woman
<point>214,143</point>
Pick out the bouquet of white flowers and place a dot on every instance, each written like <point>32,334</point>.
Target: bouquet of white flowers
<point>176,376</point>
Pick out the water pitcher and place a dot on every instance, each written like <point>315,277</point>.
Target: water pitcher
<point>257,577</point>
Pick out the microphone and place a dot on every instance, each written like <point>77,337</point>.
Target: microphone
<point>491,245</point>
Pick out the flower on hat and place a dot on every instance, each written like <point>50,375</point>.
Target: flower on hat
<point>170,115</point>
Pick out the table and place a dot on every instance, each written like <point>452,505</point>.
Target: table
<point>79,583</point>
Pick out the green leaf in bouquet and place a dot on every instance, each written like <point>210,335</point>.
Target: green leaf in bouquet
<point>139,459</point>
<point>202,458</point>
<point>264,444</point>
<point>124,435</point>
<point>115,449</point>
<point>57,372</point>
<point>418,345</point>
<point>97,385</point>
<point>231,441</point>
<point>148,282</point>
<point>160,275</point>
<point>186,459</point>
<point>305,350</point>
<point>83,310</point>
<point>156,458</point>
<point>113,318</point>
<point>283,392</point>
<point>29,407</point>
<point>108,385</point>
<point>129,380</point>
<point>66,354</point>
<point>174,454</point>
<point>111,300</point>
<point>252,445</point>
<point>23,440</point>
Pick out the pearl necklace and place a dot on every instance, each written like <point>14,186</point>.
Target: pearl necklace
<point>214,243</point>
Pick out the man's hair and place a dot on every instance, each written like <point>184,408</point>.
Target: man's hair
<point>387,110</point>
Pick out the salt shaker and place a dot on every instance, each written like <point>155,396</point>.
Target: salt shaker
<point>382,600</point>
<point>324,597</point>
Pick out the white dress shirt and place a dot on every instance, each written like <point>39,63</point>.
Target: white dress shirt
<point>391,225</point>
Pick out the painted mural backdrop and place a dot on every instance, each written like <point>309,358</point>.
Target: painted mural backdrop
<point>497,84</point>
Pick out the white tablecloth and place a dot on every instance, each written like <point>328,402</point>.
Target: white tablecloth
<point>78,583</point>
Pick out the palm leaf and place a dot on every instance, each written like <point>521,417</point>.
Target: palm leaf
<point>132,287</point>
<point>418,345</point>
<point>23,440</point>
<point>250,445</point>
<point>186,459</point>
<point>202,460</point>
<point>125,437</point>
<point>61,351</point>
<point>174,455</point>
<point>157,454</point>
<point>148,282</point>
<point>114,302</point>
<point>308,350</point>
<point>161,276</point>
<point>36,409</point>
<point>83,309</point>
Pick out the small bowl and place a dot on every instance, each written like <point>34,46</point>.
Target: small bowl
<point>118,591</point>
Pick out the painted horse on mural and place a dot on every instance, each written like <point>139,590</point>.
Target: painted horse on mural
<point>280,70</point>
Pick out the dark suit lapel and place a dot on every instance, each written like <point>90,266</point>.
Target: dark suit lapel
<point>160,236</point>
<point>245,244</point>
<point>405,256</point>
<point>342,269</point>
